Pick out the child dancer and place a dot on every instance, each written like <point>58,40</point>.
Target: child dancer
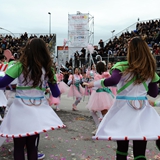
<point>3,102</point>
<point>131,117</point>
<point>86,80</point>
<point>101,98</point>
<point>33,70</point>
<point>10,94</point>
<point>113,88</point>
<point>63,89</point>
<point>61,85</point>
<point>90,75</point>
<point>75,89</point>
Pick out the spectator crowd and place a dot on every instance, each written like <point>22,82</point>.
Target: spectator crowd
<point>113,51</point>
<point>14,44</point>
<point>116,48</point>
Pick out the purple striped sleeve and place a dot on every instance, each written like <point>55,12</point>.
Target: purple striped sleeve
<point>54,89</point>
<point>114,79</point>
<point>153,89</point>
<point>116,76</point>
<point>5,81</point>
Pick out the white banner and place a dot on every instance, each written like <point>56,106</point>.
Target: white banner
<point>78,30</point>
<point>62,53</point>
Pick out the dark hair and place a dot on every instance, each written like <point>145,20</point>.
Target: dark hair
<point>35,56</point>
<point>2,56</point>
<point>100,67</point>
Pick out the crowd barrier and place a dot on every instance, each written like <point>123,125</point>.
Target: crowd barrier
<point>111,59</point>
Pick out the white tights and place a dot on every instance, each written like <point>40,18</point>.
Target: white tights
<point>97,115</point>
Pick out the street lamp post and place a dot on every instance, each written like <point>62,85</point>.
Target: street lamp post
<point>49,22</point>
<point>7,31</point>
<point>112,33</point>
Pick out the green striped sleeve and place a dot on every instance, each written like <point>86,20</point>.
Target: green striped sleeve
<point>120,66</point>
<point>15,70</point>
<point>156,78</point>
<point>102,83</point>
<point>55,78</point>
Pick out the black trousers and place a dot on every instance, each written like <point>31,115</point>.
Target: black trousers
<point>139,148</point>
<point>31,144</point>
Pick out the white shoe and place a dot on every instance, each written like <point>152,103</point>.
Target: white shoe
<point>100,119</point>
<point>94,132</point>
<point>57,109</point>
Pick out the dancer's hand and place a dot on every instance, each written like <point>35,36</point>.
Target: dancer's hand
<point>89,85</point>
<point>151,103</point>
<point>47,90</point>
<point>85,84</point>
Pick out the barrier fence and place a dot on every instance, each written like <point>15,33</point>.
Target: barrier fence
<point>111,59</point>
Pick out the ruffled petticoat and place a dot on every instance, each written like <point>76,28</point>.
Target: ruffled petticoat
<point>63,87</point>
<point>87,91</point>
<point>74,92</point>
<point>114,90</point>
<point>99,101</point>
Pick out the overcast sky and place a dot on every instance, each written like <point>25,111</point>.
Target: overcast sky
<point>19,16</point>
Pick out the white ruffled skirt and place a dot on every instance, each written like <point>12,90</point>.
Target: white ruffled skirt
<point>123,122</point>
<point>23,120</point>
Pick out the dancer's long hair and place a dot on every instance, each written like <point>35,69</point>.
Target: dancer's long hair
<point>142,64</point>
<point>35,56</point>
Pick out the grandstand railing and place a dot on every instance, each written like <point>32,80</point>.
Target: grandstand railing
<point>112,59</point>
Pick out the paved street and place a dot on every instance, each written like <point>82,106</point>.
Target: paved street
<point>74,142</point>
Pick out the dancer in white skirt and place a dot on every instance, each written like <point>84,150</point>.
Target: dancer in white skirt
<point>132,117</point>
<point>3,101</point>
<point>3,98</point>
<point>35,115</point>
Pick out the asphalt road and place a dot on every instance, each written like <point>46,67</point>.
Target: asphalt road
<point>74,142</point>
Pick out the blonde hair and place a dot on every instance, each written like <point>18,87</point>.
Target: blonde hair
<point>142,64</point>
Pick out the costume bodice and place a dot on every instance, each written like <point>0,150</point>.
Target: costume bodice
<point>126,86</point>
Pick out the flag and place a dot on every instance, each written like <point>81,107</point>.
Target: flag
<point>3,67</point>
